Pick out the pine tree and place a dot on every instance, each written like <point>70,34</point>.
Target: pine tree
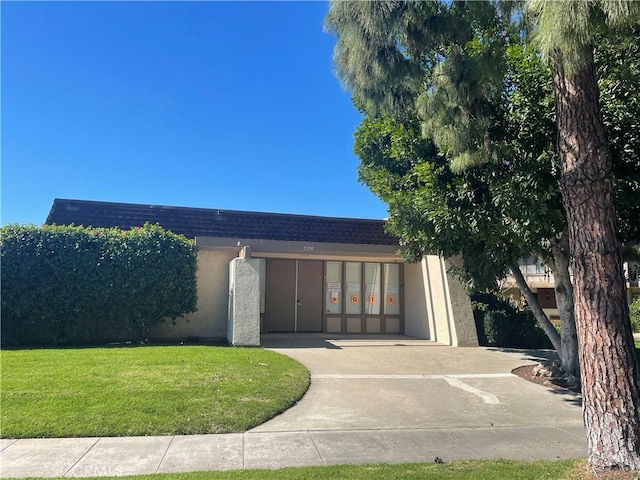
<point>610,376</point>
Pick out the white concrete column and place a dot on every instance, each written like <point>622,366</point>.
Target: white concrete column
<point>243,327</point>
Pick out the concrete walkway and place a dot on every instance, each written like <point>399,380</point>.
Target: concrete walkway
<point>371,400</point>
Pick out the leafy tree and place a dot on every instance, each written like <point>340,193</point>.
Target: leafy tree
<point>503,211</point>
<point>447,64</point>
<point>488,213</point>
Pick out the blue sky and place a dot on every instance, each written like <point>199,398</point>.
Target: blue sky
<point>230,105</point>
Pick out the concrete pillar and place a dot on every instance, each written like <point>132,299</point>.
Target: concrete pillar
<point>243,328</point>
<point>464,333</point>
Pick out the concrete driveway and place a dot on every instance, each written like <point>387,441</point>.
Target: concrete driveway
<point>453,402</point>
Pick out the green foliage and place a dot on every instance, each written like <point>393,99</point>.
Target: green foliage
<point>617,63</point>
<point>634,315</point>
<point>589,19</point>
<point>67,284</point>
<point>493,213</point>
<point>501,324</point>
<point>467,163</point>
<point>487,104</point>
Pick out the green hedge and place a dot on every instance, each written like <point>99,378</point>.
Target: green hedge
<point>500,323</point>
<point>634,315</point>
<point>77,285</point>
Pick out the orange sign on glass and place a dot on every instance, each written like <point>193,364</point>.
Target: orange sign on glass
<point>372,299</point>
<point>334,298</point>
<point>355,299</point>
<point>391,299</point>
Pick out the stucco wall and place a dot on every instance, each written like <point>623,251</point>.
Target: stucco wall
<point>417,305</point>
<point>437,306</point>
<point>210,320</point>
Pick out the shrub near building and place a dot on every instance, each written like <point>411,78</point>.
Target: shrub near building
<point>67,284</point>
<point>634,315</point>
<point>501,324</point>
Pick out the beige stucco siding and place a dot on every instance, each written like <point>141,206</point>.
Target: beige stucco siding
<point>418,316</point>
<point>437,306</point>
<point>210,320</point>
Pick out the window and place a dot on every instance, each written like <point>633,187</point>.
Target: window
<point>333,288</point>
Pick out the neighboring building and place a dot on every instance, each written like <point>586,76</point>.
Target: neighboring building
<point>540,280</point>
<point>266,273</point>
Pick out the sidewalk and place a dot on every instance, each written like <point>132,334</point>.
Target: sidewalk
<point>84,457</point>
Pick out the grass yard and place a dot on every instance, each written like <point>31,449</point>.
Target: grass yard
<point>144,390</point>
<point>461,470</point>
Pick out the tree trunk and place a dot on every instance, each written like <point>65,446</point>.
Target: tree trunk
<point>609,371</point>
<point>559,264</point>
<point>532,301</point>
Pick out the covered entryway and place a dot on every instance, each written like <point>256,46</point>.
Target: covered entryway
<point>294,295</point>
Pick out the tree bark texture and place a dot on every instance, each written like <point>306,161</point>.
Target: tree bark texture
<point>559,264</point>
<point>609,371</point>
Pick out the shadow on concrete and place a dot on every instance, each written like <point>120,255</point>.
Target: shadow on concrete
<point>273,340</point>
<point>329,341</point>
<point>542,356</point>
<point>529,355</point>
<point>568,396</point>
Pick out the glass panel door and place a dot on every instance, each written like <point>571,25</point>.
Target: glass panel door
<point>334,288</point>
<point>354,288</point>
<point>392,289</point>
<point>372,292</point>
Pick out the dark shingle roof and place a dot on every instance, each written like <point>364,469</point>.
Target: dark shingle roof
<point>192,222</point>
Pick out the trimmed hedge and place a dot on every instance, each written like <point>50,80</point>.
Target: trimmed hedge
<point>77,285</point>
<point>501,324</point>
<point>634,315</point>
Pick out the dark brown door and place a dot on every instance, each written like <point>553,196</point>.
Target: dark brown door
<point>294,296</point>
<point>281,295</point>
<point>309,296</point>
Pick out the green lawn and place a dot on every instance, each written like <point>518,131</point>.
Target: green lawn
<point>462,470</point>
<point>144,390</point>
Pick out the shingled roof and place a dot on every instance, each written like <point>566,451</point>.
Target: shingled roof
<point>192,222</point>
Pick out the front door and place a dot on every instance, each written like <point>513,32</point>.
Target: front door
<point>309,298</point>
<point>294,295</point>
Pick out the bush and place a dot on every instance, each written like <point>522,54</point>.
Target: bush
<point>634,314</point>
<point>501,324</point>
<point>67,284</point>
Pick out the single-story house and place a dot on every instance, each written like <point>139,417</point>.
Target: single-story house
<point>269,272</point>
